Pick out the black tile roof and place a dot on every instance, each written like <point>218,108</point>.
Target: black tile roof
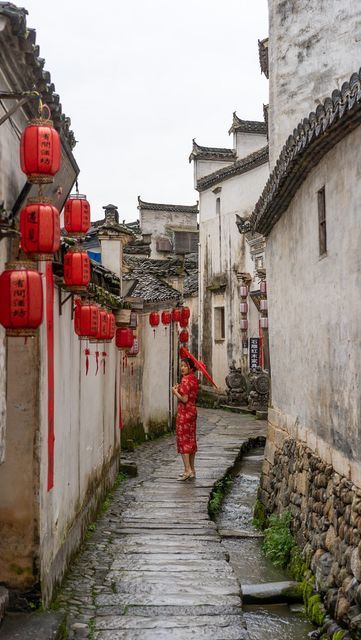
<point>149,274</point>
<point>253,160</point>
<point>310,141</point>
<point>152,289</point>
<point>31,67</point>
<point>247,126</point>
<point>263,56</point>
<point>170,267</point>
<point>211,153</point>
<point>191,274</point>
<point>152,206</point>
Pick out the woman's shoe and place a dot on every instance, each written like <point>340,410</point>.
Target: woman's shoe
<point>184,477</point>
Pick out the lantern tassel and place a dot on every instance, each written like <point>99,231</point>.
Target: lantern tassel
<point>87,354</point>
<point>104,354</point>
<point>97,362</point>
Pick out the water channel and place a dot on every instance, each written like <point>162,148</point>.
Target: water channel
<point>276,621</point>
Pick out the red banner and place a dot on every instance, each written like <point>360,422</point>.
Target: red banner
<point>50,349</point>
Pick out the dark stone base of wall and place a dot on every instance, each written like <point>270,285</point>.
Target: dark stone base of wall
<point>51,576</point>
<point>326,511</point>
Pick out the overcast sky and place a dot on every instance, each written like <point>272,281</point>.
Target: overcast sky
<point>140,79</point>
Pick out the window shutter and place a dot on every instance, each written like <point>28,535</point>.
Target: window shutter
<point>185,242</point>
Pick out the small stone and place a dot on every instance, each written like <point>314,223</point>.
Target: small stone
<point>80,629</point>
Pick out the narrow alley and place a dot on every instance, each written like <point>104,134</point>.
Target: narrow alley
<point>154,566</point>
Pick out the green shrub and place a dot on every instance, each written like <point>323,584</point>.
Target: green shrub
<point>259,515</point>
<point>279,542</point>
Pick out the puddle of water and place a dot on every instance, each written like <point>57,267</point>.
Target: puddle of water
<point>248,561</point>
<point>276,621</point>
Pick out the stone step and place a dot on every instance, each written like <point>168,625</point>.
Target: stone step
<point>271,592</point>
<point>34,626</point>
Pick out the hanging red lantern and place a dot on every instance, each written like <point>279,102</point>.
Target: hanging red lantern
<point>21,295</point>
<point>166,318</point>
<point>264,323</point>
<point>77,215</point>
<point>263,305</point>
<point>124,338</point>
<point>86,320</point>
<point>244,325</point>
<point>102,326</point>
<point>183,322</point>
<point>183,336</point>
<point>40,151</point>
<point>76,270</point>
<point>263,287</point>
<point>40,230</point>
<point>110,327</point>
<point>243,307</point>
<point>154,319</point>
<point>134,350</point>
<point>243,291</point>
<point>185,313</point>
<point>176,314</point>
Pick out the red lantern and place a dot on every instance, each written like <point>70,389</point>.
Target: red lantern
<point>183,336</point>
<point>263,287</point>
<point>243,291</point>
<point>185,313</point>
<point>244,325</point>
<point>166,317</point>
<point>76,270</point>
<point>40,230</point>
<point>40,151</point>
<point>110,327</point>
<point>154,319</point>
<point>134,349</point>
<point>183,322</point>
<point>124,338</point>
<point>243,307</point>
<point>176,314</point>
<point>263,305</point>
<point>102,332</point>
<point>86,320</point>
<point>264,323</point>
<point>21,295</point>
<point>77,215</point>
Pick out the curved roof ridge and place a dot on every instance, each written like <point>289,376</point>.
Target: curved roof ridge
<point>211,153</point>
<point>253,160</point>
<point>310,141</point>
<point>247,126</point>
<point>155,206</point>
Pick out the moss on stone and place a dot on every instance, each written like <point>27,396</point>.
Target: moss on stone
<point>156,429</point>
<point>297,566</point>
<point>293,593</point>
<point>260,519</point>
<point>315,609</point>
<point>132,432</point>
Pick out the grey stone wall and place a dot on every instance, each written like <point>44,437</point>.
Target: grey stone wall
<point>326,510</point>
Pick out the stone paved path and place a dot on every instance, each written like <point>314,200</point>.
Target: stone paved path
<point>155,568</point>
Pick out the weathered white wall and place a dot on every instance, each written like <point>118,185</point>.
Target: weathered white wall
<point>223,253</point>
<point>156,223</point>
<point>205,167</point>
<point>87,437</point>
<point>314,311</point>
<point>314,46</point>
<point>246,143</point>
<point>112,255</point>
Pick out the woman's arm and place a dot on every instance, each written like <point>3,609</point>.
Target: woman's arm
<point>178,395</point>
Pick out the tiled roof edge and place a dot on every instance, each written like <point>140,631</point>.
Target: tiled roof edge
<point>154,206</point>
<point>251,161</point>
<point>211,153</point>
<point>310,141</point>
<point>247,126</point>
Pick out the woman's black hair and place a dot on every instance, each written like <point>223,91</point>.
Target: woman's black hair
<point>190,363</point>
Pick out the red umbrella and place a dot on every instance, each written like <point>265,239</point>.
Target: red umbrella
<point>184,353</point>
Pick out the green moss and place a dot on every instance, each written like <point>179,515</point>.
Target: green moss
<point>220,489</point>
<point>315,609</point>
<point>308,588</point>
<point>156,429</point>
<point>294,593</point>
<point>133,431</point>
<point>278,542</point>
<point>260,519</point>
<point>338,635</point>
<point>297,566</point>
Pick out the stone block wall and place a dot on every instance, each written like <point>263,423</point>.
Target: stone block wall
<point>326,511</point>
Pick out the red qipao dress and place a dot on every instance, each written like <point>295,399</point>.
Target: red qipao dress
<point>186,422</point>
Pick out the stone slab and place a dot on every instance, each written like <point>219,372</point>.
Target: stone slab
<point>233,632</point>
<point>161,622</point>
<point>269,592</point>
<point>35,626</point>
<point>163,600</point>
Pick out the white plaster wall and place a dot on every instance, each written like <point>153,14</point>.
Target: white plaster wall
<point>247,143</point>
<point>205,167</point>
<point>155,397</point>
<point>315,306</point>
<point>86,429</point>
<point>112,253</point>
<point>156,223</point>
<point>314,46</point>
<point>227,252</point>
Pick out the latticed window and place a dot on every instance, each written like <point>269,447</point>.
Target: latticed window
<point>185,242</point>
<point>322,232</point>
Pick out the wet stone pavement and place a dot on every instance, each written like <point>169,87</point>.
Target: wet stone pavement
<point>154,568</point>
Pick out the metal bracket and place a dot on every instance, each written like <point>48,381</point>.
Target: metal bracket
<point>62,302</point>
<point>23,97</point>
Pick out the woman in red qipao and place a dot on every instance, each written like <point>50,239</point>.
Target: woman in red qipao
<point>186,423</point>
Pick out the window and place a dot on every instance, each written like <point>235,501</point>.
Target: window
<point>219,324</point>
<point>186,242</point>
<point>218,206</point>
<point>322,233</point>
